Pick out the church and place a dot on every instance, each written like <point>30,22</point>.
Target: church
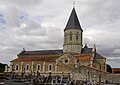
<point>72,59</point>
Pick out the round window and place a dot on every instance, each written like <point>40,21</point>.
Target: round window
<point>66,61</point>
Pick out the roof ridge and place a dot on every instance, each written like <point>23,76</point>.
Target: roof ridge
<point>42,52</point>
<point>46,50</point>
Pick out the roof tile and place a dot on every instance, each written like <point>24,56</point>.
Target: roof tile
<point>28,59</point>
<point>84,57</point>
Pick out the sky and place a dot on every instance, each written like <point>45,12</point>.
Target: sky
<point>39,25</point>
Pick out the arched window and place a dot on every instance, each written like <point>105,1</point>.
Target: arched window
<point>77,36</point>
<point>50,67</point>
<point>38,67</point>
<point>70,35</point>
<point>65,38</point>
<point>17,67</point>
<point>27,67</point>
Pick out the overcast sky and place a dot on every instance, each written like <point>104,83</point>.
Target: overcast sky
<point>39,24</point>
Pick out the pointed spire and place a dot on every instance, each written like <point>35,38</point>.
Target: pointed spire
<point>86,45</point>
<point>94,48</point>
<point>23,50</point>
<point>73,22</point>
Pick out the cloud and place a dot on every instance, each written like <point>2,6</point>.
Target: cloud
<point>38,24</point>
<point>100,21</point>
<point>20,3</point>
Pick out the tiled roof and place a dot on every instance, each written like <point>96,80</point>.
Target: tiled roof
<point>28,59</point>
<point>84,57</point>
<point>116,70</point>
<point>41,52</point>
<point>73,22</point>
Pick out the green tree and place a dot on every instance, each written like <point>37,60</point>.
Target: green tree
<point>109,69</point>
<point>2,67</point>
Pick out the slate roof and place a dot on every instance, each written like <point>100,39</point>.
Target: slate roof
<point>86,50</point>
<point>98,56</point>
<point>41,52</point>
<point>73,22</point>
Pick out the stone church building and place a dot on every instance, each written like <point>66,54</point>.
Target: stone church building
<point>65,61</point>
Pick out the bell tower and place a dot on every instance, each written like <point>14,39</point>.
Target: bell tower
<point>73,34</point>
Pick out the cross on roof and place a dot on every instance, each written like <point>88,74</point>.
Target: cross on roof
<point>73,4</point>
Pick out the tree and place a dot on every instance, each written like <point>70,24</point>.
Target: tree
<point>2,67</point>
<point>109,69</point>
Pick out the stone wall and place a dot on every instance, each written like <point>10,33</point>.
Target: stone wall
<point>44,66</point>
<point>113,78</point>
<point>63,64</point>
<point>85,73</point>
<point>71,43</point>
